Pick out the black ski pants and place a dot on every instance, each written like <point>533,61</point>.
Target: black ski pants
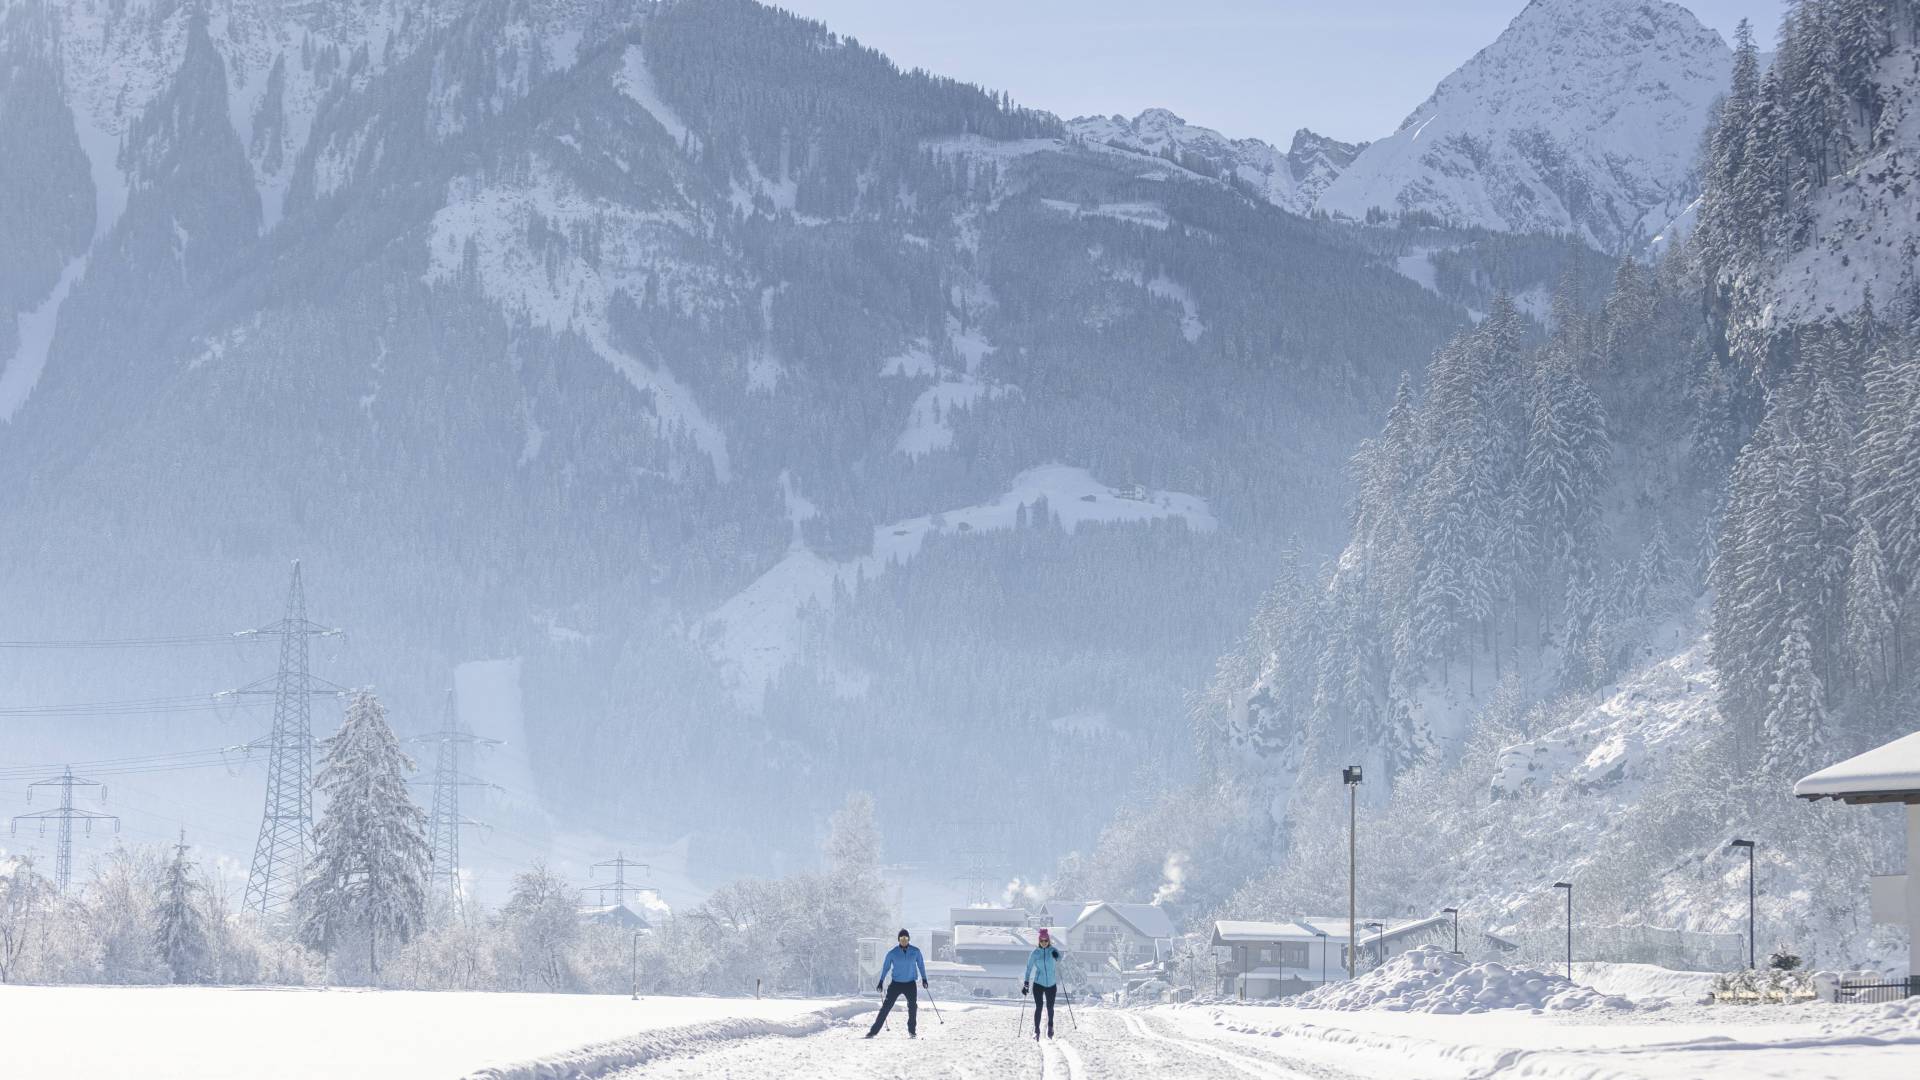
<point>894,990</point>
<point>1043,996</point>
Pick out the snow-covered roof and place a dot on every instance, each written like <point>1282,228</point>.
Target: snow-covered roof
<point>1149,920</point>
<point>1411,926</point>
<point>1889,773</point>
<point>1229,931</point>
<point>989,916</point>
<point>1008,938</point>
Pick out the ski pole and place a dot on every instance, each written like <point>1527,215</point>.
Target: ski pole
<point>1069,993</point>
<point>936,1007</point>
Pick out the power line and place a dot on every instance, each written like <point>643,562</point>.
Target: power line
<point>66,814</point>
<point>195,703</point>
<point>185,759</point>
<point>446,821</point>
<point>129,643</point>
<point>618,886</point>
<point>280,856</point>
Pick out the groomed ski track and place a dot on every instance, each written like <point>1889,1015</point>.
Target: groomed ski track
<point>981,1042</point>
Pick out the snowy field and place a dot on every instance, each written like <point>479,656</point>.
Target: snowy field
<point>209,1033</point>
<point>159,1033</point>
<point>1205,1043</point>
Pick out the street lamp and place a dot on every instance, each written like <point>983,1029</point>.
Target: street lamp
<point>1455,912</point>
<point>1322,935</point>
<point>1350,776</point>
<point>1379,942</point>
<point>1748,844</point>
<point>1568,885</point>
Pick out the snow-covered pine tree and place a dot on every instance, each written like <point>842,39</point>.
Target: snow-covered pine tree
<point>1871,612</point>
<point>1567,463</point>
<point>1717,240</point>
<point>1889,461</point>
<point>182,939</point>
<point>1796,725</point>
<point>370,869</point>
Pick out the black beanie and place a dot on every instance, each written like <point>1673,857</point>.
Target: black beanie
<point>903,934</point>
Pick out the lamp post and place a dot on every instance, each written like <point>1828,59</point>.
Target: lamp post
<point>1568,885</point>
<point>1455,912</point>
<point>1351,777</point>
<point>1379,942</point>
<point>1748,844</point>
<point>1322,935</point>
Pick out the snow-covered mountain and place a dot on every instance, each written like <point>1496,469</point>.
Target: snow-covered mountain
<point>750,391</point>
<point>1583,116</point>
<point>1292,180</point>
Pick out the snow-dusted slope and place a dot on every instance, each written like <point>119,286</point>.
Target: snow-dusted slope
<point>1864,234</point>
<point>1584,116</point>
<point>1292,180</point>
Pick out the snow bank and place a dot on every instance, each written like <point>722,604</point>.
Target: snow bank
<point>240,1033</point>
<point>1429,979</point>
<point>639,1049</point>
<point>1894,1020</point>
<point>1646,982</point>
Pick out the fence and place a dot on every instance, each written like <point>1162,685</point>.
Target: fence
<point>1870,993</point>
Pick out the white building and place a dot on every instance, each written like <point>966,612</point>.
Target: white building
<point>1120,936</point>
<point>1278,959</point>
<point>1886,774</point>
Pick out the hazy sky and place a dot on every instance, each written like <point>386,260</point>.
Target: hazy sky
<point>1347,68</point>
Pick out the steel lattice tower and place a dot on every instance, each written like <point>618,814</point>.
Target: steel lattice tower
<point>618,886</point>
<point>445,821</point>
<point>280,856</point>
<point>66,815</point>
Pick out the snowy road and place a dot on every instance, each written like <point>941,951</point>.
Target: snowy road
<point>982,1041</point>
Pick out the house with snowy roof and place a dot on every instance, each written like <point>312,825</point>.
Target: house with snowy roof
<point>988,960</point>
<point>1885,774</point>
<point>1121,936</point>
<point>1278,959</point>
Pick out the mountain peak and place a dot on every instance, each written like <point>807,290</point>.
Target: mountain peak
<point>1582,116</point>
<point>1290,180</point>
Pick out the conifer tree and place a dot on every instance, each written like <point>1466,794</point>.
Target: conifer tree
<point>182,937</point>
<point>370,869</point>
<point>1871,612</point>
<point>1795,730</point>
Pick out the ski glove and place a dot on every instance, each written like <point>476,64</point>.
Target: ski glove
<point>924,986</point>
<point>1023,989</point>
<point>877,986</point>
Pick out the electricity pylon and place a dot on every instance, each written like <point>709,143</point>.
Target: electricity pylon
<point>618,886</point>
<point>66,814</point>
<point>286,826</point>
<point>445,821</point>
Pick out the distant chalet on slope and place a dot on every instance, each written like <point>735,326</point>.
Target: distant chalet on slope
<point>1886,774</point>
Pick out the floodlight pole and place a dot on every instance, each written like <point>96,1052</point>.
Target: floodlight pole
<point>1351,777</point>
<point>1568,885</point>
<point>1749,845</point>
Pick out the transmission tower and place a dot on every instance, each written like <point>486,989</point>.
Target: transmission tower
<point>65,815</point>
<point>280,856</point>
<point>985,867</point>
<point>445,822</point>
<point>618,886</point>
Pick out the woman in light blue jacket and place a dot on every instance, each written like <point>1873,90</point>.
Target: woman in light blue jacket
<point>1043,977</point>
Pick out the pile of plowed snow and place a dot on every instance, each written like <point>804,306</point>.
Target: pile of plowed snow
<point>1430,979</point>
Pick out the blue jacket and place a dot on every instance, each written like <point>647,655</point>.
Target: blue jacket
<point>1043,966</point>
<point>904,965</point>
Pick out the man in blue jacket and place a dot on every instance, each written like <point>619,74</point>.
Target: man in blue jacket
<point>903,964</point>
